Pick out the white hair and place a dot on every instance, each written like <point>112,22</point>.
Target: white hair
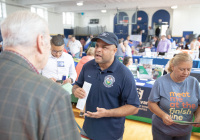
<point>22,28</point>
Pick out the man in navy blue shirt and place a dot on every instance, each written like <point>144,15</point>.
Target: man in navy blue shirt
<point>113,92</point>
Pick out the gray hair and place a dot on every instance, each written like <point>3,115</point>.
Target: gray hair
<point>22,28</point>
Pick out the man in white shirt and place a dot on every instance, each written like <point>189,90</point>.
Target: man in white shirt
<point>59,63</point>
<point>127,48</point>
<point>75,47</point>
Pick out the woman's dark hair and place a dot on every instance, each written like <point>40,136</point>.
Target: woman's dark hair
<point>126,60</point>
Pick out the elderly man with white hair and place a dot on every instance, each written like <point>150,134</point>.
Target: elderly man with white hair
<point>32,107</point>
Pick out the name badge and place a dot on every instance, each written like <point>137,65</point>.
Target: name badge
<point>60,64</point>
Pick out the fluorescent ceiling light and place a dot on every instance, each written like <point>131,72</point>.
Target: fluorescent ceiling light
<point>174,7</point>
<point>79,3</point>
<point>103,11</point>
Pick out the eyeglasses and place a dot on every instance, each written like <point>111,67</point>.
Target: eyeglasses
<point>54,51</point>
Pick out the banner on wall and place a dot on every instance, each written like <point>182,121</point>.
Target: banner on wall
<point>136,38</point>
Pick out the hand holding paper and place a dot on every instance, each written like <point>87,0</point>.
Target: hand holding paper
<point>167,119</point>
<point>81,93</point>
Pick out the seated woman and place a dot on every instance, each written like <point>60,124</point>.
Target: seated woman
<point>181,44</point>
<point>175,96</point>
<point>128,61</point>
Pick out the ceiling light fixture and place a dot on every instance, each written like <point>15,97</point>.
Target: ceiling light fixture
<point>174,7</point>
<point>103,11</point>
<point>79,3</point>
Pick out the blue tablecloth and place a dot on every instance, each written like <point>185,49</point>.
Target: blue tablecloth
<point>196,73</point>
<point>143,93</point>
<point>162,61</point>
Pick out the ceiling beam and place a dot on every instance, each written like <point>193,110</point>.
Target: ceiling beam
<point>38,2</point>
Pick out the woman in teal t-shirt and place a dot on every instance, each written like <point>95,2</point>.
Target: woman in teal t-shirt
<point>175,97</point>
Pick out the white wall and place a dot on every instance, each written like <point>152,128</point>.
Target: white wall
<point>186,19</point>
<point>107,19</point>
<point>181,19</point>
<point>55,22</point>
<point>54,19</point>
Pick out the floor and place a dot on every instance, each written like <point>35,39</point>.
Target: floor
<point>133,129</point>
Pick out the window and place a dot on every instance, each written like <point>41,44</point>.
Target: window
<point>42,12</point>
<point>2,10</point>
<point>68,18</point>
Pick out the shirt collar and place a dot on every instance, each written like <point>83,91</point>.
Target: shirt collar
<point>112,67</point>
<point>29,63</point>
<point>51,56</point>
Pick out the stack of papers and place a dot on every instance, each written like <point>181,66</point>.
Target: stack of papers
<point>68,87</point>
<point>151,82</point>
<point>140,84</point>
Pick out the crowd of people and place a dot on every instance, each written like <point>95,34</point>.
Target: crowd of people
<point>161,45</point>
<point>33,105</point>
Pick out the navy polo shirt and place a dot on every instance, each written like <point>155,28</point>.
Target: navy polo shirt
<point>111,88</point>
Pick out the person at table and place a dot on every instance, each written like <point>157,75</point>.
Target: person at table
<point>84,59</point>
<point>59,63</point>
<point>31,106</point>
<point>164,45</point>
<point>150,34</point>
<point>182,43</point>
<point>75,47</point>
<point>66,41</point>
<point>128,61</point>
<point>194,45</point>
<point>175,96</point>
<point>112,95</point>
<point>154,43</point>
<point>140,47</point>
<point>170,38</point>
<point>139,30</point>
<point>120,50</point>
<point>128,50</point>
<point>82,42</point>
<point>130,42</point>
<point>157,32</point>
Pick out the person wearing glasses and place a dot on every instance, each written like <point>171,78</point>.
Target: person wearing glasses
<point>59,63</point>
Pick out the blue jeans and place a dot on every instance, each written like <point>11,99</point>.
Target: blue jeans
<point>158,135</point>
<point>84,134</point>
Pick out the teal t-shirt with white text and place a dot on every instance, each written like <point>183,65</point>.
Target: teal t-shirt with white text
<point>179,100</point>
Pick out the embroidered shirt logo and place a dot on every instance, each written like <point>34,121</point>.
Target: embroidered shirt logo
<point>104,34</point>
<point>109,81</point>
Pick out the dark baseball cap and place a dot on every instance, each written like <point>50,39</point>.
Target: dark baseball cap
<point>107,37</point>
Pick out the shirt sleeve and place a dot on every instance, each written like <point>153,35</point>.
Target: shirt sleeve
<point>79,44</point>
<point>61,124</point>
<point>72,70</point>
<point>155,93</point>
<point>168,46</point>
<point>158,47</point>
<point>129,92</point>
<point>80,80</point>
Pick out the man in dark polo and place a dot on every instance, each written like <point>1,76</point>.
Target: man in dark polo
<point>112,95</point>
